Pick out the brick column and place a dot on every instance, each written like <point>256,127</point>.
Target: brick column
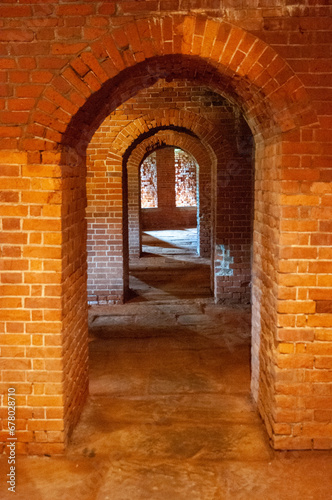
<point>166,178</point>
<point>107,230</point>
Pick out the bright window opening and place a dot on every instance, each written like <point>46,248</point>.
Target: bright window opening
<point>185,179</point>
<point>149,195</point>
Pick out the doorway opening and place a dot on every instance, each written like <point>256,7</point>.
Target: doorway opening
<point>169,190</point>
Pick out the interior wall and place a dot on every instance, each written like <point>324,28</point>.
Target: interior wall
<point>106,231</point>
<point>234,228</point>
<point>265,289</point>
<point>74,317</point>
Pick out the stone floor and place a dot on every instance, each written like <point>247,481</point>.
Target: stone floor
<point>170,415</point>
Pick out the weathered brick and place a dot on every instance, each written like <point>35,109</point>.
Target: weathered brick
<point>58,74</point>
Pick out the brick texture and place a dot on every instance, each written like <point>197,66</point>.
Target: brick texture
<point>70,69</point>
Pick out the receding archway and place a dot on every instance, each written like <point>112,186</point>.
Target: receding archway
<point>226,166</point>
<point>277,108</point>
<point>206,160</point>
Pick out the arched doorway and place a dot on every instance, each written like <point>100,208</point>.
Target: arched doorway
<point>232,62</point>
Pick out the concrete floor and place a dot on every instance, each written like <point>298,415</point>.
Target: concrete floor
<point>170,415</point>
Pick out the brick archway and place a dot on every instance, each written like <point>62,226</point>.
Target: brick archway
<point>232,60</point>
<point>108,166</point>
<point>93,81</point>
<point>205,159</point>
<point>108,283</point>
<point>199,133</point>
<point>216,168</point>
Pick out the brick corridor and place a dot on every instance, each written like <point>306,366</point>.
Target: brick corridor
<point>169,414</point>
<point>88,88</point>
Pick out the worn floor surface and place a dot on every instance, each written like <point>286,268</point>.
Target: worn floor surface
<point>169,415</point>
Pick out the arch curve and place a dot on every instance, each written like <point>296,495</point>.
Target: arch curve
<point>178,120</point>
<point>232,61</point>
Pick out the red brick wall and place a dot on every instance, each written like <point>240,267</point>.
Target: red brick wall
<point>234,216</point>
<point>166,178</point>
<point>179,218</point>
<point>74,363</point>
<point>43,297</point>
<point>59,83</point>
<point>106,237</point>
